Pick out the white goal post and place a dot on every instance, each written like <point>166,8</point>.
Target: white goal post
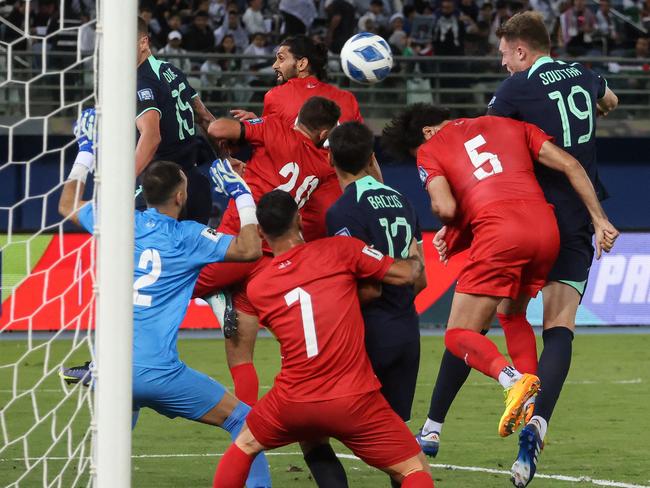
<point>115,178</point>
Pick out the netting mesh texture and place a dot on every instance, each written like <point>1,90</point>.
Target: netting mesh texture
<point>47,76</point>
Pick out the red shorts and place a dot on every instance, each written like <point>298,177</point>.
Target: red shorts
<point>233,276</point>
<point>515,245</point>
<point>364,423</point>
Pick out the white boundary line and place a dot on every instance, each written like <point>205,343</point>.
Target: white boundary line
<point>452,467</point>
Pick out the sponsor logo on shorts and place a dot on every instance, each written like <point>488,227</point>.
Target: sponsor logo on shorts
<point>145,94</point>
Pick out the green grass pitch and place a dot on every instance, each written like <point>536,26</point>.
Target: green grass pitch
<point>599,430</point>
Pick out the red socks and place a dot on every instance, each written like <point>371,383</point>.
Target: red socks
<point>476,350</point>
<point>246,383</point>
<point>233,468</point>
<point>419,479</point>
<point>520,340</point>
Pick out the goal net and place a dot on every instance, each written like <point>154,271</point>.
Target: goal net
<point>50,72</point>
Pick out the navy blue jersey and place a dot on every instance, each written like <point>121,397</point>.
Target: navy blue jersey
<point>561,100</point>
<point>383,218</point>
<point>164,88</point>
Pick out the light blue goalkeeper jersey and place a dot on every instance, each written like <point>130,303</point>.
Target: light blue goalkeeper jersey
<point>168,258</point>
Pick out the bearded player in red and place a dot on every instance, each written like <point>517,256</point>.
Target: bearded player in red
<point>479,175</point>
<point>288,157</point>
<point>307,297</point>
<point>300,66</point>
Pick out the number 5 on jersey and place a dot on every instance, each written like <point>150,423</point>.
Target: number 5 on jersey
<point>479,159</point>
<point>307,313</point>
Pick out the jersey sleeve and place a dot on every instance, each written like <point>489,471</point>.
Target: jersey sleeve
<point>86,216</point>
<point>204,244</point>
<point>255,130</point>
<point>504,101</point>
<point>601,85</point>
<point>147,97</point>
<point>366,262</point>
<point>535,138</point>
<point>428,165</point>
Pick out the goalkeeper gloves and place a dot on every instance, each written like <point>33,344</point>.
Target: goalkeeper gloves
<point>226,180</point>
<point>84,130</point>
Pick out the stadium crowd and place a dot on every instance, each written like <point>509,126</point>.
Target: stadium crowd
<point>421,27</point>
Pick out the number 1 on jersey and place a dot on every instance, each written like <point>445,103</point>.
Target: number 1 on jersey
<point>307,313</point>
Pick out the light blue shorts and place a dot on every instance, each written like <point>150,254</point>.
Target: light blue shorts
<point>178,392</point>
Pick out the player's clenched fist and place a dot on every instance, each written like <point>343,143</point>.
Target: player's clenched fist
<point>84,130</point>
<point>226,180</point>
<point>605,235</point>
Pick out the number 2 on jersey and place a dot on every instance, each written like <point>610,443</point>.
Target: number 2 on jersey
<point>148,256</point>
<point>307,313</point>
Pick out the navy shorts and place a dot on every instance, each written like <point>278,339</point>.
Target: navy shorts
<point>397,368</point>
<point>177,392</point>
<point>576,248</point>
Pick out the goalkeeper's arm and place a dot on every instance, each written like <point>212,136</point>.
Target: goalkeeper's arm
<point>73,189</point>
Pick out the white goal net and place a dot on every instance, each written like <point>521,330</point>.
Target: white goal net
<point>49,65</point>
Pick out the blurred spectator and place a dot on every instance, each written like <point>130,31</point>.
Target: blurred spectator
<point>398,36</point>
<point>608,30</point>
<point>217,12</point>
<point>341,24</point>
<point>500,16</point>
<point>261,65</point>
<point>298,16</point>
<point>232,27</point>
<point>374,20</point>
<point>549,10</point>
<point>577,25</point>
<point>171,23</point>
<point>87,37</point>
<point>174,48</point>
<point>448,31</point>
<point>469,8</point>
<point>485,13</point>
<point>17,19</point>
<point>199,37</point>
<point>253,19</point>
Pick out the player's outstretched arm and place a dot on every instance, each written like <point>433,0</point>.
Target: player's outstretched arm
<point>608,103</point>
<point>223,128</point>
<point>443,203</point>
<point>555,158</point>
<point>148,125</point>
<point>404,271</point>
<point>73,189</point>
<point>247,246</point>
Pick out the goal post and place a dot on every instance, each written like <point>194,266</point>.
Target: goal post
<point>115,180</point>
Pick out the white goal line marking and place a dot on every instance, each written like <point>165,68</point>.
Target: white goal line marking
<point>452,467</point>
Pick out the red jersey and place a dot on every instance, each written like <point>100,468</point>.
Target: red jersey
<point>307,297</point>
<point>485,160</point>
<point>284,159</point>
<point>286,100</point>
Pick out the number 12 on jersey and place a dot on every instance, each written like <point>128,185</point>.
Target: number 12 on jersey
<point>307,313</point>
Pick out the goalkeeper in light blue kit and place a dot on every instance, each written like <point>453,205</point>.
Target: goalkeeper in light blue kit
<point>168,257</point>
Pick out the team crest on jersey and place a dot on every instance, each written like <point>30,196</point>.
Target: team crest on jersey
<point>255,121</point>
<point>343,232</point>
<point>145,94</point>
<point>423,174</point>
<point>211,234</point>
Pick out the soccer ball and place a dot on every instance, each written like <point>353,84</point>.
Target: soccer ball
<point>366,58</point>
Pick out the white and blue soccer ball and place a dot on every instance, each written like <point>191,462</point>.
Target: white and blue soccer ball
<point>366,58</point>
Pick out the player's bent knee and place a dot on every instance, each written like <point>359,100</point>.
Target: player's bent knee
<point>246,442</point>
